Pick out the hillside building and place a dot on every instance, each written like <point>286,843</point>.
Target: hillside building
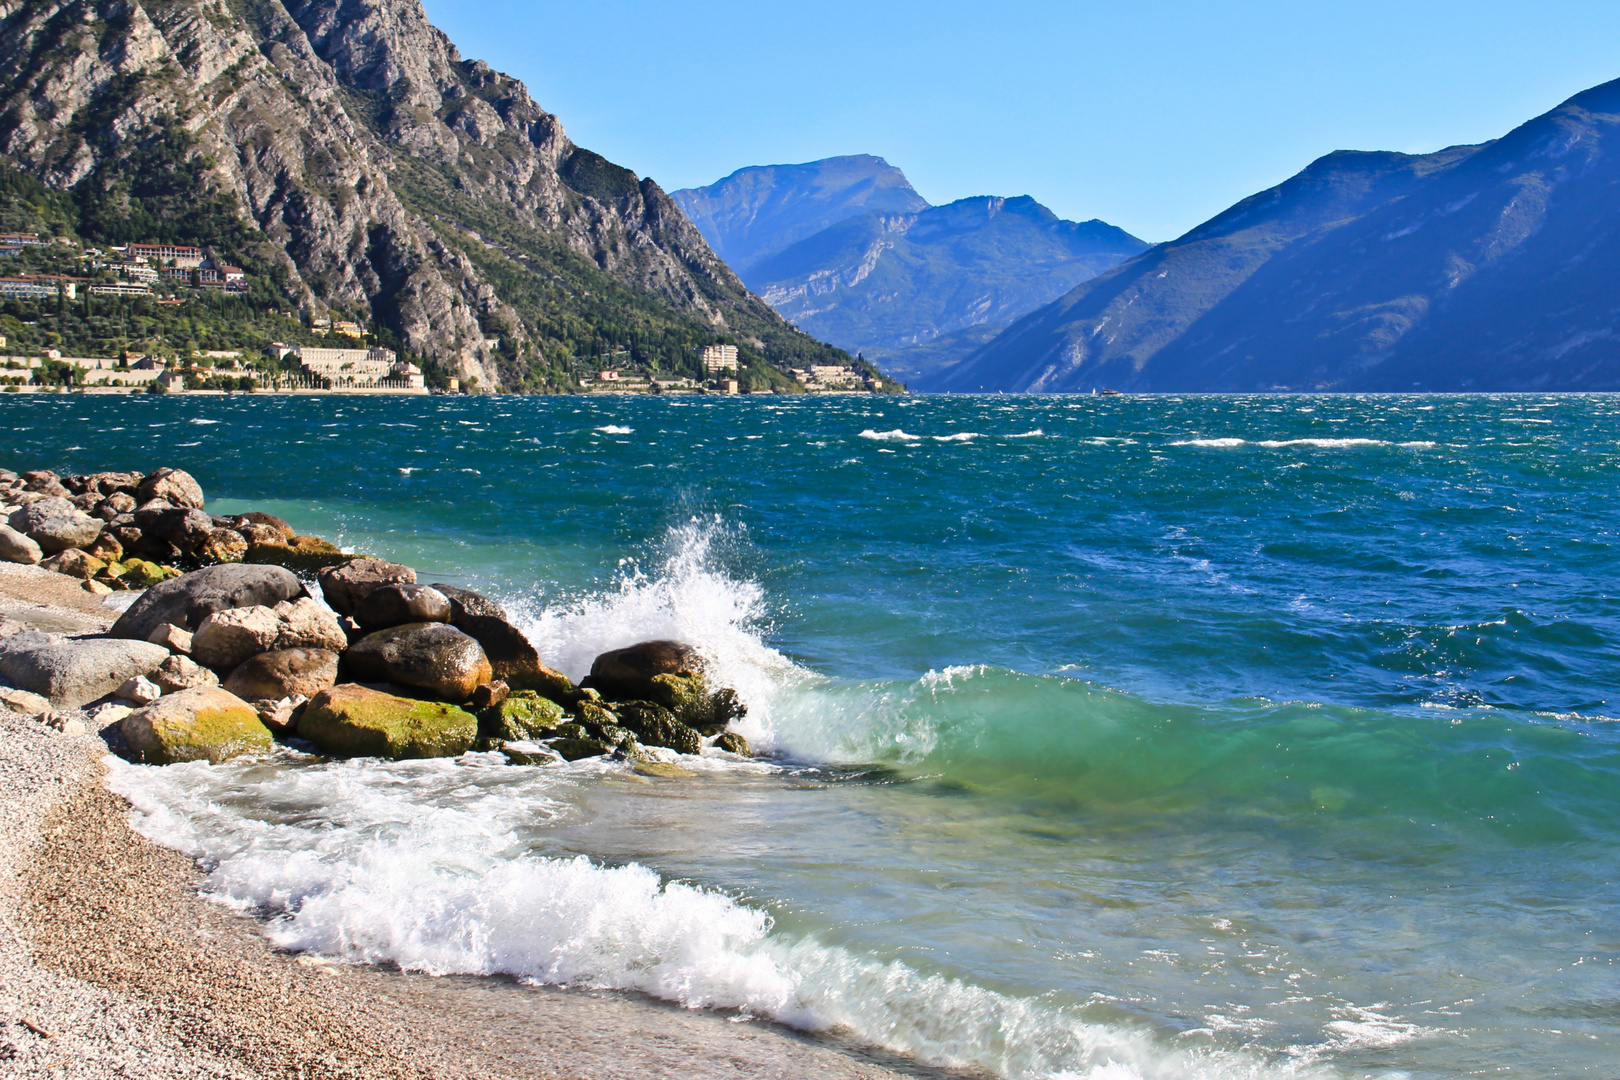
<point>719,358</point>
<point>166,254</point>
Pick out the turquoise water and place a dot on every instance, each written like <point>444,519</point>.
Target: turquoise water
<point>1160,737</point>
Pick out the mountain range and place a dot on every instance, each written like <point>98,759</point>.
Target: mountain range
<point>361,164</point>
<point>1490,267</point>
<point>846,249</point>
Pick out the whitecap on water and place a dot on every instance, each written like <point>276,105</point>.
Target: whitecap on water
<point>615,429</point>
<point>896,435</point>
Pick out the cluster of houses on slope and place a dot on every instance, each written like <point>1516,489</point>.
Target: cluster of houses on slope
<point>374,371</point>
<point>136,267</point>
<point>720,367</point>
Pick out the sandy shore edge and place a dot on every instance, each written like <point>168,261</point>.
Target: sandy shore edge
<point>111,965</point>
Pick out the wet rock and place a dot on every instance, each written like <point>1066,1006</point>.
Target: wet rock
<point>56,525</point>
<point>528,753</point>
<point>589,712</point>
<point>733,743</point>
<point>662,770</point>
<point>490,693</point>
<point>18,548</point>
<point>346,585</point>
<point>228,638</point>
<point>74,563</point>
<point>435,657</point>
<point>512,658</point>
<point>522,715</point>
<point>283,673</point>
<point>187,600</point>
<point>182,673</point>
<point>464,602</point>
<point>396,605</point>
<point>172,486</point>
<point>173,638</point>
<point>222,546</point>
<point>576,749</point>
<point>72,671</point>
<point>266,521</point>
<point>203,723</point>
<point>356,721</point>
<point>628,673</point>
<point>656,725</point>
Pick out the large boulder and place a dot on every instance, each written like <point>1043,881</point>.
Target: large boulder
<point>181,673</point>
<point>172,486</point>
<point>628,673</point>
<point>56,524</point>
<point>512,659</point>
<point>283,673</point>
<point>357,721</point>
<point>396,605</point>
<point>435,657</point>
<point>18,548</point>
<point>464,602</point>
<point>73,671</point>
<point>186,528</point>
<point>226,639</point>
<point>187,600</point>
<point>203,723</point>
<point>655,725</point>
<point>346,585</point>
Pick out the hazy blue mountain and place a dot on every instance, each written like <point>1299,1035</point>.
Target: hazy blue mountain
<point>1493,267</point>
<point>756,212</point>
<point>879,283</point>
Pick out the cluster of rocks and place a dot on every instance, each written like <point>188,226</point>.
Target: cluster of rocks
<point>230,658</point>
<point>116,530</point>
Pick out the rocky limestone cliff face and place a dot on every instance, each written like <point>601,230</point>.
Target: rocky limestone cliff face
<point>313,114</point>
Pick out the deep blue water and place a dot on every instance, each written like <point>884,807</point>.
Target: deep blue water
<point>1175,736</point>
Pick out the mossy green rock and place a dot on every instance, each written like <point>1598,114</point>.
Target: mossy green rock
<point>523,715</point>
<point>301,555</point>
<point>656,725</point>
<point>351,720</point>
<point>733,743</point>
<point>143,575</point>
<point>205,723</point>
<point>574,749</point>
<point>589,712</point>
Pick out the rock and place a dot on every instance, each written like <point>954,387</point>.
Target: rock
<point>187,529</point>
<point>141,574</point>
<point>396,605</point>
<point>528,753</point>
<point>466,602</point>
<point>18,548</point>
<point>74,563</point>
<point>256,534</point>
<point>73,671</point>
<point>228,638</point>
<point>308,625</point>
<point>140,690</point>
<point>589,712</point>
<point>628,673</point>
<point>282,715</point>
<point>106,715</point>
<point>523,715</point>
<point>189,599</point>
<point>67,725</point>
<point>655,725</point>
<point>203,723</point>
<point>106,548</point>
<point>356,721</point>
<point>662,770</point>
<point>575,749</point>
<point>118,503</point>
<point>108,484</point>
<point>733,743</point>
<point>435,657</point>
<point>56,525</point>
<point>223,546</point>
<point>87,502</point>
<point>173,638</point>
<point>45,482</point>
<point>513,660</point>
<point>270,521</point>
<point>490,693</point>
<point>96,588</point>
<point>305,554</point>
<point>173,487</point>
<point>21,701</point>
<point>345,586</point>
<point>284,673</point>
<point>182,673</point>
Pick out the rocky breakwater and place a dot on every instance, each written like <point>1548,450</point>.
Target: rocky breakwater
<point>128,530</point>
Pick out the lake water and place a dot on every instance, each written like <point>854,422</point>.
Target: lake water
<point>1109,737</point>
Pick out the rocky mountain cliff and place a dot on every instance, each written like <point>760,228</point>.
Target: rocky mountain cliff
<point>377,175</point>
<point>1475,268</point>
<point>761,210</point>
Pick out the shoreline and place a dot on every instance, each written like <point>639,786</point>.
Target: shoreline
<point>112,964</point>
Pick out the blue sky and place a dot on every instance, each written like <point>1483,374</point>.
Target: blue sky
<point>1153,115</point>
